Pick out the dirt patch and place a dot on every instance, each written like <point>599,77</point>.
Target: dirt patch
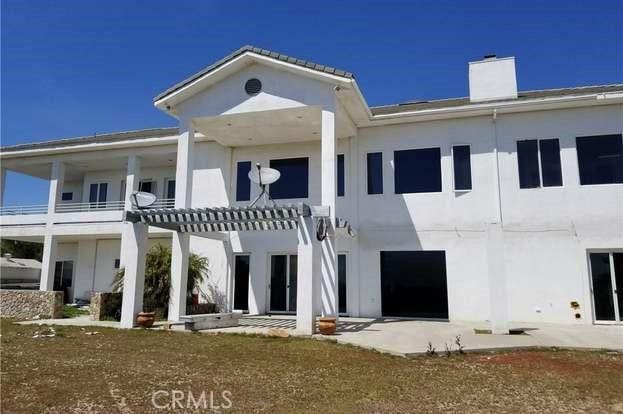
<point>119,371</point>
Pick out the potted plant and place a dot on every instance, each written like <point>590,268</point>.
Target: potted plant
<point>145,319</point>
<point>327,325</point>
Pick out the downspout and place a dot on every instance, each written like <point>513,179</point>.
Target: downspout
<point>500,217</point>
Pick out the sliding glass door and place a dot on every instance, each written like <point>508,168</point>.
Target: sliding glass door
<point>606,268</point>
<point>283,271</point>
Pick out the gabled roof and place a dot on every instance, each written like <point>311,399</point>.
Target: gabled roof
<point>264,52</point>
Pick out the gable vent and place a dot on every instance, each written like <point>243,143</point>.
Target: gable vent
<point>253,86</point>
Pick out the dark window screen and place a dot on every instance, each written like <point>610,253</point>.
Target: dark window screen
<point>462,167</point>
<point>550,162</point>
<point>528,163</point>
<point>375,173</point>
<point>294,178</point>
<point>171,189</point>
<point>243,184</point>
<point>340,175</point>
<point>417,171</point>
<point>341,281</point>
<point>600,159</point>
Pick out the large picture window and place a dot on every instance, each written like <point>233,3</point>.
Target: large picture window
<point>417,171</point>
<point>294,178</point>
<point>600,159</point>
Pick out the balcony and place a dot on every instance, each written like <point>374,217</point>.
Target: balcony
<point>77,207</point>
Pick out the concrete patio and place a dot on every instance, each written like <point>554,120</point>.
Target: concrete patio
<point>407,337</point>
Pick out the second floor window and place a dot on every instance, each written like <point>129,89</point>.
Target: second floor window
<point>68,196</point>
<point>170,189</point>
<point>147,186</point>
<point>462,167</point>
<point>538,162</point>
<point>243,184</point>
<point>340,175</point>
<point>600,159</point>
<point>294,179</point>
<point>375,172</point>
<point>417,171</point>
<point>97,194</point>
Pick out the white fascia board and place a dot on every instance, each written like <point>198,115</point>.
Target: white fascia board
<point>94,146</point>
<point>239,62</point>
<point>464,111</point>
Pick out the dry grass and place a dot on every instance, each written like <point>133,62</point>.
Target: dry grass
<point>117,371</point>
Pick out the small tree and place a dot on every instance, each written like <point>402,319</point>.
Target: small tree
<point>158,278</point>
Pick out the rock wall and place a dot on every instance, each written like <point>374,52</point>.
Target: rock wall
<point>104,305</point>
<point>31,304</point>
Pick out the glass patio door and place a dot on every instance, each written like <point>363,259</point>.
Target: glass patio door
<point>283,273</point>
<point>607,286</point>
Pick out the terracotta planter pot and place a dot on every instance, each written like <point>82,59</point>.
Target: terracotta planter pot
<point>145,319</point>
<point>326,326</point>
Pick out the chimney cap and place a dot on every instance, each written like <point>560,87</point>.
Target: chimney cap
<point>491,56</point>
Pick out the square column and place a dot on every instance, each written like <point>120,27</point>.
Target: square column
<point>180,245</point>
<point>131,185</point>
<point>135,235</point>
<point>48,263</point>
<point>307,275</point>
<point>57,176</point>
<point>328,263</point>
<point>2,185</point>
<point>498,301</point>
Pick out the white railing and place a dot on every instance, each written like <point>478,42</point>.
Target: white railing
<point>20,210</point>
<point>95,206</point>
<point>78,207</point>
<point>163,203</point>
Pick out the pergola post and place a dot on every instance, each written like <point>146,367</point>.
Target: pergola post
<point>180,244</point>
<point>307,268</point>
<point>135,235</point>
<point>328,263</point>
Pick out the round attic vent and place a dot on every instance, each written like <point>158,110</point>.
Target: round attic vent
<point>253,86</point>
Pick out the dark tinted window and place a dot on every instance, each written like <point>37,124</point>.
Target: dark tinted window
<point>600,159</point>
<point>171,189</point>
<point>241,282</point>
<point>550,162</point>
<point>294,178</point>
<point>417,171</point>
<point>528,163</point>
<point>375,173</point>
<point>147,186</point>
<point>341,282</point>
<point>340,175</point>
<point>67,196</point>
<point>243,184</point>
<point>462,167</point>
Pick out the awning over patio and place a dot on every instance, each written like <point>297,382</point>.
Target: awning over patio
<point>222,218</point>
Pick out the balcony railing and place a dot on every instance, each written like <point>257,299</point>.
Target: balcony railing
<point>78,207</point>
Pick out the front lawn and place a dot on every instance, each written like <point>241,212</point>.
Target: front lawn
<point>76,370</point>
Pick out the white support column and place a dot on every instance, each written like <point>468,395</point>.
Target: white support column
<point>131,185</point>
<point>307,269</point>
<point>48,263</point>
<point>50,243</point>
<point>2,185</point>
<point>180,244</point>
<point>498,305</point>
<point>328,282</point>
<point>57,176</point>
<point>134,277</point>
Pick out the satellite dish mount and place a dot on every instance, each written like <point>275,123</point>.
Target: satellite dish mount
<point>263,177</point>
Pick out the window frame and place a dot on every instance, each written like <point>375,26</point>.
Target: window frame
<point>441,187</point>
<point>238,183</point>
<point>540,163</point>
<point>471,174</point>
<point>165,189</point>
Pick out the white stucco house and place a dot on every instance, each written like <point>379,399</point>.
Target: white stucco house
<point>503,206</point>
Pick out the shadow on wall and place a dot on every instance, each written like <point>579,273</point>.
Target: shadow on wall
<point>216,296</point>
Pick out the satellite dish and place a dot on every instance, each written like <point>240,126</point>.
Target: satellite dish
<point>142,199</point>
<point>264,176</point>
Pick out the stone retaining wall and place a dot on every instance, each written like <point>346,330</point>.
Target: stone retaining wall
<point>31,304</point>
<point>104,305</point>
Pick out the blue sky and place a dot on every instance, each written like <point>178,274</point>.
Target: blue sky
<point>72,68</point>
